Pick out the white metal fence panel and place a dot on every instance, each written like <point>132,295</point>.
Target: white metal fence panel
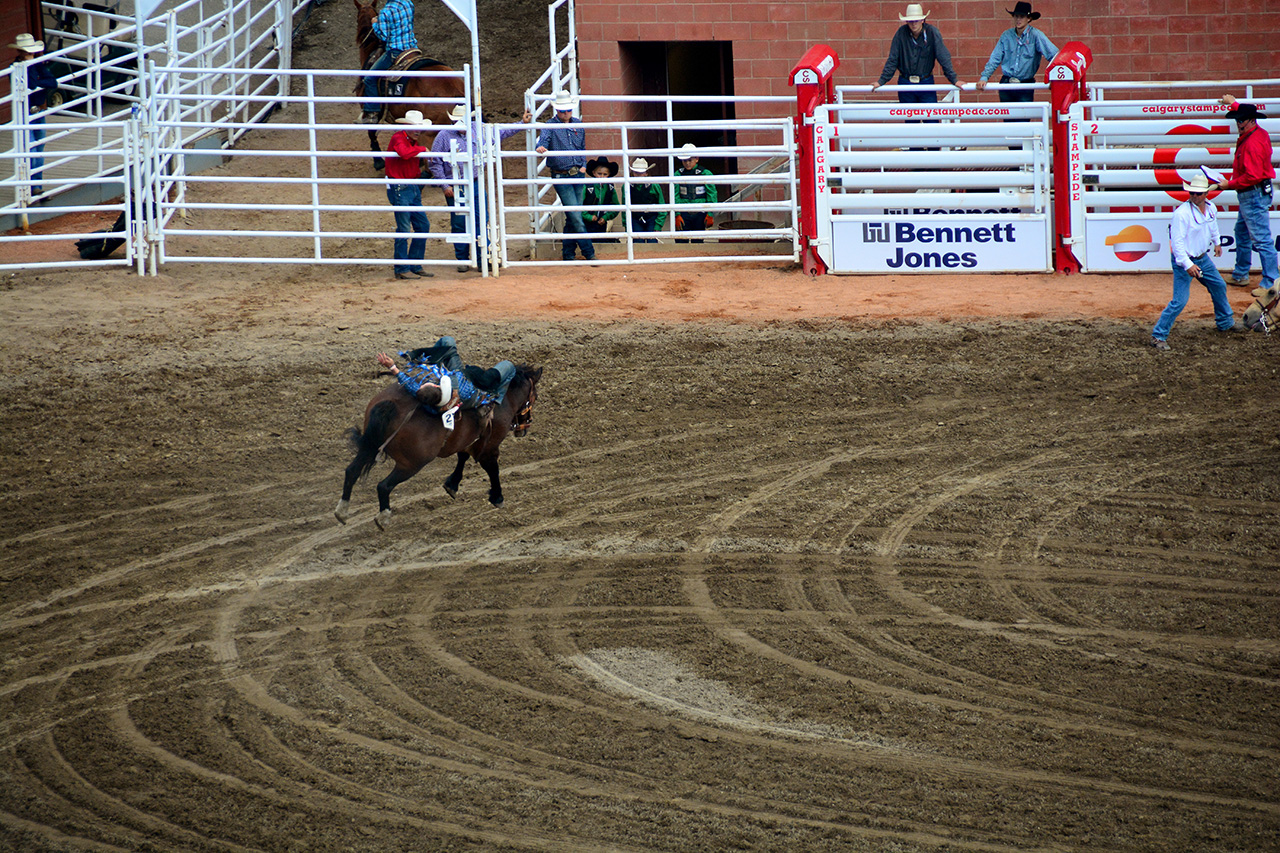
<point>300,190</point>
<point>962,188</point>
<point>1129,161</point>
<point>753,219</point>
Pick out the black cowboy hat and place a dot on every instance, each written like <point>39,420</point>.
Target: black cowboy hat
<point>1024,9</point>
<point>592,165</point>
<point>1245,111</point>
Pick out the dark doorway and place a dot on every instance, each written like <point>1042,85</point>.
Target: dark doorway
<point>681,68</point>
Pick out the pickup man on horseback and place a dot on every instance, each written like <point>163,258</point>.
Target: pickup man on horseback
<point>394,25</point>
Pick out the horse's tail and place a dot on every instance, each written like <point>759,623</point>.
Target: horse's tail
<point>366,444</point>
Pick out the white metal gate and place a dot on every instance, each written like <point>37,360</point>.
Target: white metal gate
<point>903,188</point>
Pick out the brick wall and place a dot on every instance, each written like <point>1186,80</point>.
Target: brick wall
<point>1130,39</point>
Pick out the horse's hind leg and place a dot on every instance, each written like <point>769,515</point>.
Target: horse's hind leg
<point>455,479</point>
<point>397,476</point>
<point>376,149</point>
<point>343,510</point>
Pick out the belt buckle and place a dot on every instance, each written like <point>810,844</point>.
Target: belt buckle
<point>914,79</point>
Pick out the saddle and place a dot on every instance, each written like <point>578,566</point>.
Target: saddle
<point>409,60</point>
<point>1264,314</point>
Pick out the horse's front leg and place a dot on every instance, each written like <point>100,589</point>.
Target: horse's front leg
<point>397,476</point>
<point>376,149</point>
<point>455,479</point>
<point>490,466</point>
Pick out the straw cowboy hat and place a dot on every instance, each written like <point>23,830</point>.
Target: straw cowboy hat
<point>458,113</point>
<point>592,165</point>
<point>640,165</point>
<point>564,101</point>
<point>1197,184</point>
<point>1024,9</point>
<point>1241,112</point>
<point>413,117</point>
<point>688,151</point>
<point>28,43</point>
<point>915,12</point>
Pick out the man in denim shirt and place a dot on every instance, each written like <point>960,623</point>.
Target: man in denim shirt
<point>1018,54</point>
<point>568,170</point>
<point>394,25</point>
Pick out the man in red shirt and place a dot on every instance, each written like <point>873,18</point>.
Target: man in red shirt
<point>407,197</point>
<point>1251,177</point>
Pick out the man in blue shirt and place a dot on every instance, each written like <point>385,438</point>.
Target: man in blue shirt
<point>40,84</point>
<point>568,169</point>
<point>464,138</point>
<point>1018,54</point>
<point>394,25</point>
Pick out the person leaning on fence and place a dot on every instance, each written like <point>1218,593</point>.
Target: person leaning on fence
<point>40,84</point>
<point>464,137</point>
<point>1251,177</point>
<point>407,197</point>
<point>600,195</point>
<point>1193,233</point>
<point>1017,54</point>
<point>394,25</point>
<point>646,194</point>
<point>914,50</point>
<point>568,169</point>
<point>694,197</point>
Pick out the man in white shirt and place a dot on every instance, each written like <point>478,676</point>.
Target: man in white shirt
<point>1193,233</point>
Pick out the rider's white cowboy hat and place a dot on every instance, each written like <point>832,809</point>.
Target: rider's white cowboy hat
<point>915,12</point>
<point>28,43</point>
<point>564,101</point>
<point>640,165</point>
<point>688,151</point>
<point>1197,184</point>
<point>458,113</point>
<point>414,117</point>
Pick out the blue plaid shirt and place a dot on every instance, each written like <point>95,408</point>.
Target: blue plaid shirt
<point>395,26</point>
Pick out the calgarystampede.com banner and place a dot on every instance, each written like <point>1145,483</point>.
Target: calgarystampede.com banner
<point>948,112</point>
<point>1183,109</point>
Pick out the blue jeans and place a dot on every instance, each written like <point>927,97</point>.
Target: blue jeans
<point>1222,313</point>
<point>414,220</point>
<point>647,221</point>
<point>458,225</point>
<point>36,135</point>
<point>382,63</point>
<point>571,192</point>
<point>1253,234</point>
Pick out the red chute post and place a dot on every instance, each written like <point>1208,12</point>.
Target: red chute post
<point>1065,75</point>
<point>814,87</point>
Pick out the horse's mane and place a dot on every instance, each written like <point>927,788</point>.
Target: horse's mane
<point>525,374</point>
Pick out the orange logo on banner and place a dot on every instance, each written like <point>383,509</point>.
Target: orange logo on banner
<point>1132,243</point>
<point>1169,156</point>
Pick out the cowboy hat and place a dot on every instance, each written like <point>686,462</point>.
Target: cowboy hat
<point>1240,112</point>
<point>592,165</point>
<point>915,12</point>
<point>413,117</point>
<point>639,165</point>
<point>28,43</point>
<point>1024,9</point>
<point>688,151</point>
<point>458,113</point>
<point>1197,184</point>
<point>564,101</point>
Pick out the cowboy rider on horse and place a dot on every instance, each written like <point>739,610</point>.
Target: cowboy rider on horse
<point>463,385</point>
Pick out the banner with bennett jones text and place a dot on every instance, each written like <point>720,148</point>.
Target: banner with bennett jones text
<point>1140,242</point>
<point>940,244</point>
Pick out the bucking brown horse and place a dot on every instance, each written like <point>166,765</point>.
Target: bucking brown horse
<point>396,424</point>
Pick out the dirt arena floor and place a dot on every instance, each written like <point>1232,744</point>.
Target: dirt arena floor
<point>786,564</point>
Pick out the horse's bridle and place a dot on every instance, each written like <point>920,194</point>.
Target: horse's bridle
<point>524,417</point>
